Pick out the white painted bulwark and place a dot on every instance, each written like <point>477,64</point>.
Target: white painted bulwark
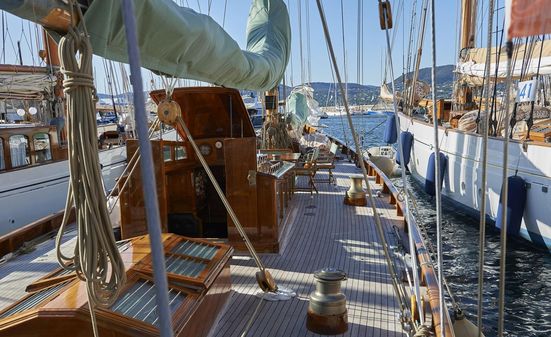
<point>31,193</point>
<point>462,182</point>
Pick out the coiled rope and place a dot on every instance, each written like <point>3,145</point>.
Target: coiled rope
<point>96,259</point>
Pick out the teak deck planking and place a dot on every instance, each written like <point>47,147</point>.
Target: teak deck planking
<point>330,234</point>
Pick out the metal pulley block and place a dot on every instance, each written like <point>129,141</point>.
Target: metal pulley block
<point>327,312</point>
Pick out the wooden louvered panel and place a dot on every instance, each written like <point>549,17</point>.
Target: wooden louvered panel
<point>191,262</point>
<point>139,302</point>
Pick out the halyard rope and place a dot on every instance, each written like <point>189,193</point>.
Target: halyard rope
<point>96,259</point>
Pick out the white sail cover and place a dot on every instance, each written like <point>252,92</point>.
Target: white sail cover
<point>183,43</point>
<point>474,62</point>
<point>25,82</point>
<point>302,108</point>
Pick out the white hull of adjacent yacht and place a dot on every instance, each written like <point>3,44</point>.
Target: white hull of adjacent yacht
<point>29,194</point>
<point>462,181</point>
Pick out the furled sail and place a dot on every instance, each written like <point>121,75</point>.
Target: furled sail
<point>385,94</point>
<point>302,108</point>
<point>472,64</point>
<point>183,43</point>
<point>25,82</point>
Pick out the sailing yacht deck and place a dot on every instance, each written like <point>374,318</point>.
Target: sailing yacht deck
<point>322,232</point>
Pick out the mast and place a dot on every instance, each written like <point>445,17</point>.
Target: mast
<point>468,23</point>
<point>467,39</point>
<point>56,108</point>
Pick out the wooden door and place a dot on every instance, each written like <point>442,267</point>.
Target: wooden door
<point>240,162</point>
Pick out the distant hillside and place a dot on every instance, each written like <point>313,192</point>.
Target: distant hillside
<point>358,94</point>
<point>444,75</point>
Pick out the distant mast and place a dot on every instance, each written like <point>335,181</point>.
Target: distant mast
<point>56,107</point>
<point>468,27</point>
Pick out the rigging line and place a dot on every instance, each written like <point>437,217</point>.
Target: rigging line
<point>504,119</point>
<point>300,42</point>
<point>358,43</point>
<point>526,59</point>
<point>504,199</point>
<point>291,51</point>
<point>148,175</point>
<point>209,6</point>
<point>308,51</point>
<point>437,174</point>
<point>329,93</point>
<point>376,215</point>
<point>344,51</point>
<point>530,121</point>
<point>421,38</point>
<point>482,229</point>
<point>493,112</point>
<point>182,125</point>
<point>3,37</point>
<point>130,168</point>
<point>224,17</point>
<point>410,43</point>
<point>410,220</point>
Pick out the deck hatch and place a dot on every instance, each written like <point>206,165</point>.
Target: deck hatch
<point>184,266</point>
<point>139,302</point>
<point>33,300</point>
<point>195,249</point>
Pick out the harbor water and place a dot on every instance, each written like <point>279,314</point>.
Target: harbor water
<point>528,269</point>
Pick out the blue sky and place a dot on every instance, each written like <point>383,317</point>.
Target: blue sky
<point>236,21</point>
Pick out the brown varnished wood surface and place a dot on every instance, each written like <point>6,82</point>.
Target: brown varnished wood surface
<point>208,111</point>
<point>67,310</point>
<point>57,153</point>
<point>133,216</point>
<point>240,159</point>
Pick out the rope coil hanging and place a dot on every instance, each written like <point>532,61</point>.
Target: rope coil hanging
<point>96,259</point>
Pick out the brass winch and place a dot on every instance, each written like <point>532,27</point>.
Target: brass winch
<point>327,314</point>
<point>355,195</point>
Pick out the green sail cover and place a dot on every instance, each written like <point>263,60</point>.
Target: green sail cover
<point>183,43</point>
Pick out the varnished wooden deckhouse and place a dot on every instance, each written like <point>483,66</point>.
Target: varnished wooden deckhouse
<point>189,205</point>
